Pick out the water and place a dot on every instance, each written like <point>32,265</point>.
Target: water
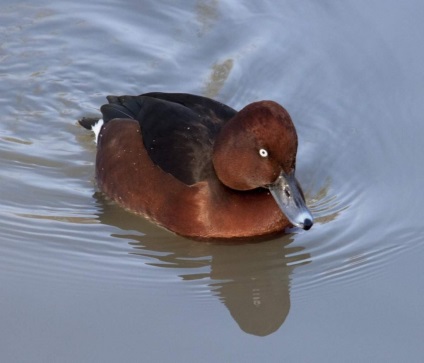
<point>83,280</point>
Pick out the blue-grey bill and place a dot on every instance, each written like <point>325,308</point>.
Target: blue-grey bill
<point>289,197</point>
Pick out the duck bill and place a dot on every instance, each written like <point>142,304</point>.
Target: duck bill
<point>289,197</point>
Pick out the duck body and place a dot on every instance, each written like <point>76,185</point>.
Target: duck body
<point>198,167</point>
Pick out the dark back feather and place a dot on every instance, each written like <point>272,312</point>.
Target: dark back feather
<point>178,129</point>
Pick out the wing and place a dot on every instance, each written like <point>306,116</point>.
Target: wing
<point>178,129</point>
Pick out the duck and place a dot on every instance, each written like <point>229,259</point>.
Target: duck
<point>198,167</point>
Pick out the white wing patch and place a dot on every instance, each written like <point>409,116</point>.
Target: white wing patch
<point>96,129</point>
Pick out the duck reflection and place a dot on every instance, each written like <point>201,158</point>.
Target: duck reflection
<point>251,280</point>
<point>254,284</point>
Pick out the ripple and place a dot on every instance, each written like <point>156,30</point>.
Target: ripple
<point>350,162</point>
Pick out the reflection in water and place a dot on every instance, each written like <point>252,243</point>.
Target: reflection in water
<point>324,206</point>
<point>252,280</point>
<point>207,15</point>
<point>220,73</point>
<point>67,219</point>
<point>254,284</point>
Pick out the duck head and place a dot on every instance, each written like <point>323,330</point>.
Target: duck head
<point>257,149</point>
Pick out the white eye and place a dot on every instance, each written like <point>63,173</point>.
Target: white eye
<point>263,153</point>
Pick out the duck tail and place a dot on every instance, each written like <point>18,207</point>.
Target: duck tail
<point>88,122</point>
<point>92,123</point>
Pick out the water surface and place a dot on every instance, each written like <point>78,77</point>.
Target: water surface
<point>84,280</point>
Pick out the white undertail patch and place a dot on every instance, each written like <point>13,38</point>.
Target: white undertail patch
<point>96,129</point>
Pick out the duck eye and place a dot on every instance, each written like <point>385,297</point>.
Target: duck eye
<point>263,153</point>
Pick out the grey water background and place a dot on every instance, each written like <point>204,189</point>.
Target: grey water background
<point>82,280</point>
